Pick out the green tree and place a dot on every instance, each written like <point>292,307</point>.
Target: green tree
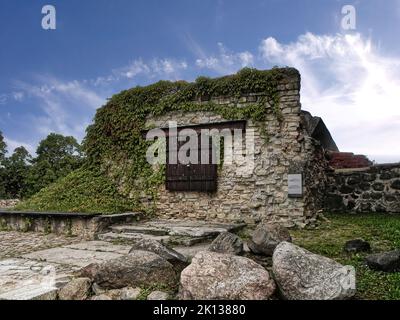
<point>16,170</point>
<point>57,156</point>
<point>3,151</point>
<point>3,148</point>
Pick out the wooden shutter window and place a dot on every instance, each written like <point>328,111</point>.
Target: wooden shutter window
<point>197,177</point>
<point>192,177</point>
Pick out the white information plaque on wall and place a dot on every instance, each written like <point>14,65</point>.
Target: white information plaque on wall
<point>295,183</point>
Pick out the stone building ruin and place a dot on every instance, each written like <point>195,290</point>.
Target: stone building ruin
<point>294,149</point>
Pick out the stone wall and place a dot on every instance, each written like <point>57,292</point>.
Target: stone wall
<point>374,189</point>
<point>259,193</point>
<point>71,224</point>
<point>316,180</point>
<point>9,203</point>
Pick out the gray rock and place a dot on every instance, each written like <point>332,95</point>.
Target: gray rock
<point>266,237</point>
<point>228,243</point>
<point>114,294</point>
<point>217,276</point>
<point>52,295</point>
<point>302,275</point>
<point>22,279</point>
<point>357,245</point>
<point>163,251</point>
<point>386,261</point>
<point>72,257</point>
<point>395,185</point>
<point>130,293</point>
<point>127,293</point>
<point>158,295</point>
<point>139,268</point>
<point>378,186</point>
<point>76,289</point>
<point>97,290</point>
<point>190,252</point>
<point>101,297</point>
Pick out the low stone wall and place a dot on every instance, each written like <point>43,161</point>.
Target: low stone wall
<point>70,224</point>
<point>373,189</point>
<point>8,203</point>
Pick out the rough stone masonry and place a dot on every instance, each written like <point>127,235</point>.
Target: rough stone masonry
<point>260,193</point>
<point>370,189</point>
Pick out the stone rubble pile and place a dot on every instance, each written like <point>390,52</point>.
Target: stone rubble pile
<point>219,272</point>
<point>264,266</point>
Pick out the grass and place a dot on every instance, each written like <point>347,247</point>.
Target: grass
<point>381,231</point>
<point>83,191</point>
<point>145,291</point>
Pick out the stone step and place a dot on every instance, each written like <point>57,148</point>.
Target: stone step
<point>188,241</point>
<point>139,229</point>
<point>174,232</point>
<point>177,228</point>
<point>189,231</point>
<point>175,224</point>
<point>171,240</point>
<point>130,237</point>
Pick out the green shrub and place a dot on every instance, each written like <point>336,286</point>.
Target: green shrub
<point>81,191</point>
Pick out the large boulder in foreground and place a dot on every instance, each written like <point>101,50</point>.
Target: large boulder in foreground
<point>138,268</point>
<point>217,276</point>
<point>385,261</point>
<point>228,243</point>
<point>302,275</point>
<point>266,237</point>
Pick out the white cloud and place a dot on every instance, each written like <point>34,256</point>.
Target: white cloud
<point>13,144</point>
<point>18,96</point>
<point>345,79</point>
<point>225,61</point>
<point>65,107</point>
<point>133,69</point>
<point>101,81</point>
<point>3,99</point>
<point>167,68</point>
<point>353,86</point>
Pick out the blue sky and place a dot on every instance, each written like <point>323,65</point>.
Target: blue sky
<point>53,80</point>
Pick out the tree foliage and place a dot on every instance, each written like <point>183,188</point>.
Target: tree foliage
<point>57,156</point>
<point>15,173</point>
<point>3,148</point>
<point>22,176</point>
<point>3,151</point>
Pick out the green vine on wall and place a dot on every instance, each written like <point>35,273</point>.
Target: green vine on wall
<point>116,176</point>
<point>115,137</point>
